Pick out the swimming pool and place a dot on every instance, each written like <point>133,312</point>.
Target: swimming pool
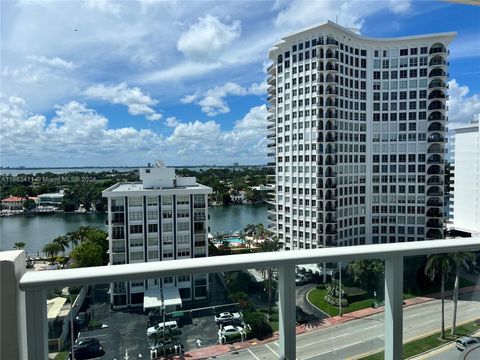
<point>232,240</point>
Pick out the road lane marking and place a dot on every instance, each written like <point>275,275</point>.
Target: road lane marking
<point>337,349</point>
<point>323,340</point>
<point>255,356</point>
<point>272,350</point>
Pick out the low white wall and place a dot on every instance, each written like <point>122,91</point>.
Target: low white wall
<point>13,328</point>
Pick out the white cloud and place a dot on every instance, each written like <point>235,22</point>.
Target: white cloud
<point>138,103</point>
<point>55,62</point>
<point>206,38</point>
<point>75,135</point>
<point>462,107</point>
<point>106,6</point>
<point>349,13</point>
<point>78,135</point>
<point>256,118</point>
<point>213,101</point>
<point>172,121</point>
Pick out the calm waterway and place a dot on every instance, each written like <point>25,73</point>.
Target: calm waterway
<point>38,230</point>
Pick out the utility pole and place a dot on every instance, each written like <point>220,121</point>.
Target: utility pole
<point>340,288</point>
<point>72,337</point>
<point>163,320</point>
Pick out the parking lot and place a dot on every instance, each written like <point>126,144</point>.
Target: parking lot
<point>125,333</point>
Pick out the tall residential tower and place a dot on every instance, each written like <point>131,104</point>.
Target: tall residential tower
<point>356,136</point>
<point>161,218</point>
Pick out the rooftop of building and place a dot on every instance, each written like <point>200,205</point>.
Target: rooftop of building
<point>447,36</point>
<point>157,178</point>
<point>12,198</point>
<point>138,186</point>
<point>57,194</point>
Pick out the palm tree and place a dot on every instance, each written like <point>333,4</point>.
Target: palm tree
<point>63,242</point>
<point>20,245</point>
<point>52,249</point>
<point>458,259</point>
<point>260,230</point>
<point>249,229</point>
<point>269,245</point>
<point>439,264</point>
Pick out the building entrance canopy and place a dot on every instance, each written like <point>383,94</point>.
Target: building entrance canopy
<point>153,298</point>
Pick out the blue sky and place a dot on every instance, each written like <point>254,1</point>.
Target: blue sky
<point>101,82</point>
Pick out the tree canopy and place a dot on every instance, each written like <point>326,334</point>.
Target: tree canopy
<point>87,254</point>
<point>367,273</point>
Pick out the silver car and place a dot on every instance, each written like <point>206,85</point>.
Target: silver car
<point>466,341</point>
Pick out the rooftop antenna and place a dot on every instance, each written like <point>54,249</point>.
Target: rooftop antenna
<point>336,19</point>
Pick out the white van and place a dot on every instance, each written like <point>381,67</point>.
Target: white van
<point>168,326</point>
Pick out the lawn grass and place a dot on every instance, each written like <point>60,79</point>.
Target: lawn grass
<point>61,355</point>
<point>273,318</point>
<point>317,298</point>
<point>419,346</point>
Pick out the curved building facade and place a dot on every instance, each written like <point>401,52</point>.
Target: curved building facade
<point>357,137</point>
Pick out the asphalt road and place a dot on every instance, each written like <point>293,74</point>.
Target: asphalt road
<point>365,335</point>
<point>301,300</point>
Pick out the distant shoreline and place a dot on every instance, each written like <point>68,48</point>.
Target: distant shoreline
<point>126,167</point>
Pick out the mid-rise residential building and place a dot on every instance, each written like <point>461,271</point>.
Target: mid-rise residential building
<point>51,199</point>
<point>465,178</point>
<point>161,218</point>
<point>16,202</point>
<point>357,137</point>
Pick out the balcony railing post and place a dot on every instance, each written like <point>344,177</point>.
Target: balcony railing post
<point>37,327</point>
<point>287,311</point>
<point>394,308</point>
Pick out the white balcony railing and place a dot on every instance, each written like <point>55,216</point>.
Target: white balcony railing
<point>35,284</point>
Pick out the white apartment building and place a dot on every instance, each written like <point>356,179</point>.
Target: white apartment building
<point>161,218</point>
<point>465,172</point>
<point>357,137</point>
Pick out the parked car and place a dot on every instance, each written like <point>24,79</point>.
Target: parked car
<point>82,319</point>
<point>301,279</point>
<point>229,330</point>
<point>87,341</point>
<point>169,325</point>
<point>466,341</point>
<point>225,317</point>
<point>87,351</point>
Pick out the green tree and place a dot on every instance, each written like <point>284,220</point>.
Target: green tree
<point>29,204</point>
<point>249,229</point>
<point>252,195</point>
<point>52,249</point>
<point>20,245</point>
<point>260,230</point>
<point>214,251</point>
<point>259,324</point>
<point>87,233</point>
<point>238,281</point>
<point>367,273</point>
<point>439,264</point>
<point>63,242</point>
<point>269,245</point>
<point>87,254</point>
<point>70,201</point>
<point>458,260</point>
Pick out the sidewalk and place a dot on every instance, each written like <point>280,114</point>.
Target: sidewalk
<point>217,350</point>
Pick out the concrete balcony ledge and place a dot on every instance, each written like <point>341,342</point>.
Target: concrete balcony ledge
<point>25,308</point>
